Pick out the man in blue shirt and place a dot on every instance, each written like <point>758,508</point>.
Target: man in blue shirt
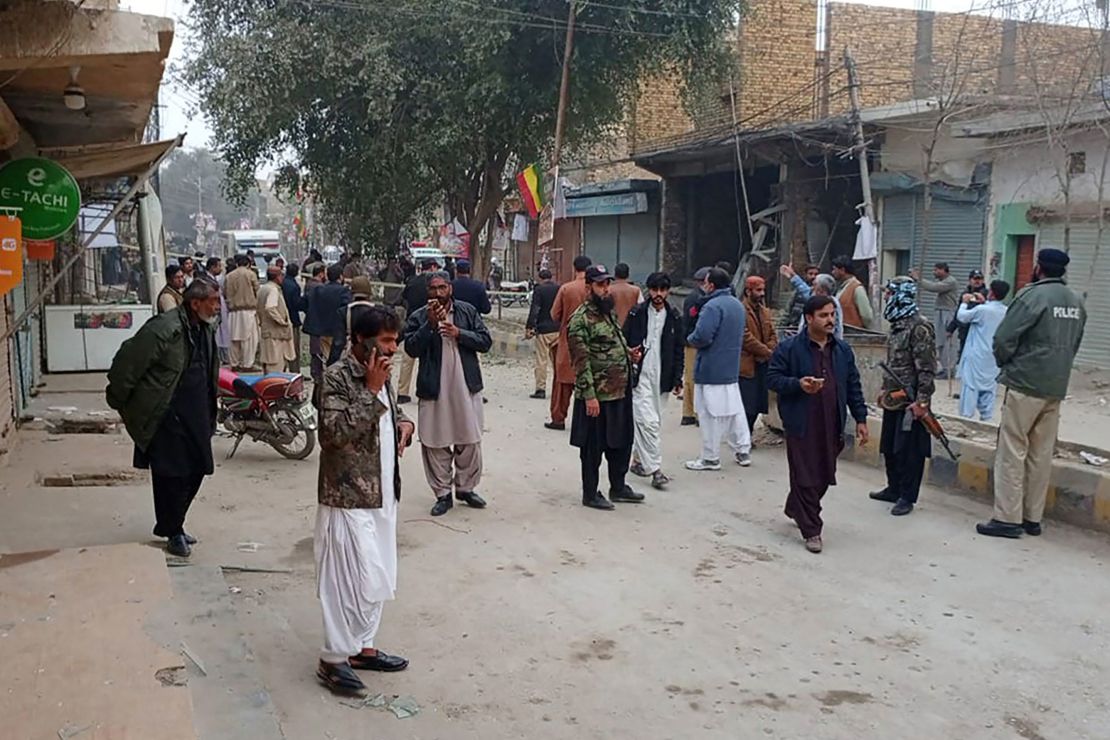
<point>468,290</point>
<point>978,368</point>
<point>718,337</point>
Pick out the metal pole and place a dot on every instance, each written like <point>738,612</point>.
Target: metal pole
<point>564,88</point>
<point>864,173</point>
<point>37,303</point>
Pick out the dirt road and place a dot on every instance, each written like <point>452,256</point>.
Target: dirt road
<point>697,614</point>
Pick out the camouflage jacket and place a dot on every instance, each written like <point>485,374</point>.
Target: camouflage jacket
<point>350,446</point>
<point>599,354</point>
<point>911,353</point>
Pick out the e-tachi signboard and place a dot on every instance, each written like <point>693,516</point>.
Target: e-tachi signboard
<point>45,194</point>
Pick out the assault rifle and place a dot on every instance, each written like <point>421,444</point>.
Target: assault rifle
<point>932,424</point>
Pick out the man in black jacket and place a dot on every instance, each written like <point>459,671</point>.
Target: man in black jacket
<point>818,385</point>
<point>413,297</point>
<point>690,308</point>
<point>294,301</point>
<point>656,327</point>
<point>543,329</point>
<point>469,290</point>
<point>323,319</point>
<point>447,336</point>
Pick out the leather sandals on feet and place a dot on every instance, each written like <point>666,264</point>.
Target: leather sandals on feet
<point>378,662</point>
<point>471,499</point>
<point>340,678</point>
<point>626,496</point>
<point>443,505</point>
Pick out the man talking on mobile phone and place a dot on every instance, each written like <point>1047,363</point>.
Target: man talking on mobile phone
<point>447,336</point>
<point>817,381</point>
<point>363,433</point>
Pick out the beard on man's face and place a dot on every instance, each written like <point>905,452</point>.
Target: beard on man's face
<point>604,305</point>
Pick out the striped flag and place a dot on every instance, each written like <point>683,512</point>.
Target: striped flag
<point>531,190</point>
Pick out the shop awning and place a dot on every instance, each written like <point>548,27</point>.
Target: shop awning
<point>127,160</point>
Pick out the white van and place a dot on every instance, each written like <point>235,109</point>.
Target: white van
<point>422,253</point>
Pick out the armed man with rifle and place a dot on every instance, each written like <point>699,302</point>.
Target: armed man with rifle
<point>907,391</point>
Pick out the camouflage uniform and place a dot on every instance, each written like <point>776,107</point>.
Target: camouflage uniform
<point>905,443</point>
<point>350,452</point>
<point>602,369</point>
<point>912,354</point>
<point>599,354</point>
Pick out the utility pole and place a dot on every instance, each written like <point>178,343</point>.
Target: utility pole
<point>564,88</point>
<point>547,215</point>
<point>200,221</point>
<point>864,172</point>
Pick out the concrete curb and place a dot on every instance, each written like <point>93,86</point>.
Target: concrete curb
<point>1077,494</point>
<point>511,344</point>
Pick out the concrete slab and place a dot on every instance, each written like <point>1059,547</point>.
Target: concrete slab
<point>230,701</point>
<point>75,643</point>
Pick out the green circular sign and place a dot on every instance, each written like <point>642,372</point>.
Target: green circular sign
<point>45,193</point>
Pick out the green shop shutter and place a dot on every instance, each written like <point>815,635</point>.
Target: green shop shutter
<point>1087,275</point>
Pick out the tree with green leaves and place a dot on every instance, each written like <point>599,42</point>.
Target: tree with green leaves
<point>386,110</point>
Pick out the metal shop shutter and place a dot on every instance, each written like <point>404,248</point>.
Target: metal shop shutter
<point>898,222</point>
<point>600,237</point>
<point>1087,276</point>
<point>639,244</point>
<point>955,236</point>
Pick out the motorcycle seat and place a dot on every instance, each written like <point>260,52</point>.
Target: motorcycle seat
<point>253,380</point>
<point>269,386</point>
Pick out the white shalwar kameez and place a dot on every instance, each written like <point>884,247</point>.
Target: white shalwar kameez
<point>720,412</point>
<point>647,401</point>
<point>356,560</point>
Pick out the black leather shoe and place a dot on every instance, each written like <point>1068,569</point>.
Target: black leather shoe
<point>404,399</point>
<point>901,508</point>
<point>189,538</point>
<point>442,506</point>
<point>471,499</point>
<point>626,496</point>
<point>1033,529</point>
<point>884,495</point>
<point>379,662</point>
<point>689,421</point>
<point>598,502</point>
<point>178,546</point>
<point>339,678</point>
<point>541,393</point>
<point>557,426</point>
<point>995,528</point>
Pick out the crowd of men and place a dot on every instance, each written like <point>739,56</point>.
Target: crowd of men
<point>617,353</point>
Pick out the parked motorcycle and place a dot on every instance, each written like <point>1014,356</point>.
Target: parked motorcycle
<point>270,408</point>
<point>514,294</point>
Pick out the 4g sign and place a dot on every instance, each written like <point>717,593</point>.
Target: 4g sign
<point>11,253</point>
<point>43,193</point>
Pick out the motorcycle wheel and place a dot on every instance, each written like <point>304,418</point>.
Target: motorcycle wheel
<point>301,442</point>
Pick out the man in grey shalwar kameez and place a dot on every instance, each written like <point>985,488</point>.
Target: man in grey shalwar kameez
<point>446,336</point>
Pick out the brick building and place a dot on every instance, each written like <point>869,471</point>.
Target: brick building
<point>779,135</point>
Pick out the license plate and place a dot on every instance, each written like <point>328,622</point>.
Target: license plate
<point>307,414</point>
